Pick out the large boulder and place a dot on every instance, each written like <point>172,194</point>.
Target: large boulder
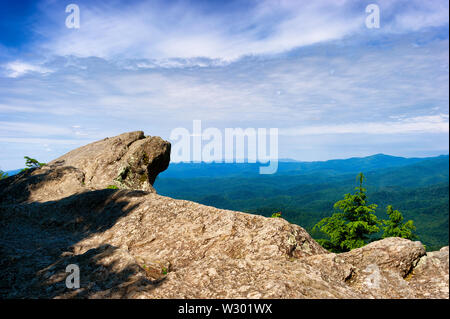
<point>127,161</point>
<point>130,160</point>
<point>430,276</point>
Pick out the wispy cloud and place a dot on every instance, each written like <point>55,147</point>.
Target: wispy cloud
<point>163,30</point>
<point>420,124</point>
<point>18,68</point>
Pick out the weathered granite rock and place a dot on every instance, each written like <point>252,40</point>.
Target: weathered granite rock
<point>137,244</point>
<point>127,161</point>
<point>430,277</point>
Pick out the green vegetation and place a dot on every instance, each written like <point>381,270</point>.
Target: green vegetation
<point>32,163</point>
<point>352,226</point>
<point>3,175</point>
<point>276,215</point>
<point>418,188</point>
<point>394,226</point>
<point>112,187</point>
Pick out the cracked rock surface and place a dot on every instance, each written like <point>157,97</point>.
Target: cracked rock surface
<point>133,243</point>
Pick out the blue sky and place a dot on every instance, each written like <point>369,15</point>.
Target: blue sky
<point>312,69</point>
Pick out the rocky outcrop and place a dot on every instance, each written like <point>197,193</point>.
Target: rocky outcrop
<point>430,276</point>
<point>128,161</point>
<point>133,243</point>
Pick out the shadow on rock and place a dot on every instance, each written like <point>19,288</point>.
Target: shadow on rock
<point>34,235</point>
<point>105,272</point>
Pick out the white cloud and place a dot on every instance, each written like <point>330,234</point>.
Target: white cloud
<point>315,87</point>
<point>18,68</point>
<point>45,142</point>
<point>420,124</point>
<point>414,15</point>
<point>4,108</point>
<point>386,86</point>
<point>161,31</point>
<point>14,128</point>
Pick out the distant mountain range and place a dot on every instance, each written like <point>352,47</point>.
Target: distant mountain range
<point>306,191</point>
<point>292,167</point>
<point>13,172</point>
<point>287,166</point>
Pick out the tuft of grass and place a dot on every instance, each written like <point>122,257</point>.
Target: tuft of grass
<point>112,187</point>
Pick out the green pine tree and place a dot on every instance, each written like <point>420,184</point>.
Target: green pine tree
<point>3,174</point>
<point>351,227</point>
<point>394,226</point>
<point>31,163</point>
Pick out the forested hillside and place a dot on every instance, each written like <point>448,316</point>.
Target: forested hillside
<point>306,192</point>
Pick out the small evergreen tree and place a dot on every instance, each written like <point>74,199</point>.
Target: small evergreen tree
<point>394,226</point>
<point>32,163</point>
<point>350,228</point>
<point>3,174</point>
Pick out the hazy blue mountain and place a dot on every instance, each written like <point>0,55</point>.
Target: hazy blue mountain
<point>288,166</point>
<point>13,172</point>
<point>306,192</point>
